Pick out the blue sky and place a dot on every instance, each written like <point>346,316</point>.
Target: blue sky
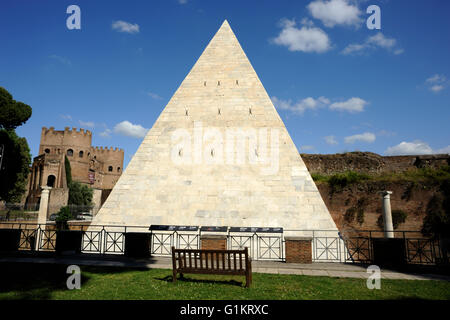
<point>337,85</point>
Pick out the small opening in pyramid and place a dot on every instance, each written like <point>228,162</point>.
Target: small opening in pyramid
<point>204,83</point>
<point>249,110</point>
<point>212,152</point>
<point>180,152</point>
<point>186,111</point>
<point>218,111</point>
<point>237,82</point>
<point>218,83</point>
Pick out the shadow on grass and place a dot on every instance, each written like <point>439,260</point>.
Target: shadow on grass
<point>37,281</point>
<point>184,279</point>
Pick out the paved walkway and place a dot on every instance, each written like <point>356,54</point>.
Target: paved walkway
<point>315,269</point>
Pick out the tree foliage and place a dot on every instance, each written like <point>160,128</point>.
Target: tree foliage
<point>437,220</point>
<point>398,217</point>
<point>12,113</point>
<point>15,166</point>
<point>68,170</point>
<point>80,197</point>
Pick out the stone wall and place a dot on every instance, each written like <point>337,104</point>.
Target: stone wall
<point>368,162</point>
<point>407,196</point>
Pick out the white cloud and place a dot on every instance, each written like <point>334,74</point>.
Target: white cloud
<point>123,26</point>
<point>381,41</point>
<point>409,148</point>
<point>436,82</point>
<point>60,59</point>
<point>154,95</point>
<point>363,137</point>
<point>416,147</point>
<point>377,41</point>
<point>106,133</point>
<point>300,106</point>
<point>331,140</point>
<point>354,48</point>
<point>307,148</point>
<point>305,39</point>
<point>128,129</point>
<point>437,88</point>
<point>443,150</point>
<point>87,124</point>
<point>335,12</point>
<point>352,105</point>
<point>66,117</point>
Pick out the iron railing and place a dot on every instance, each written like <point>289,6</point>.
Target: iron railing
<point>350,246</point>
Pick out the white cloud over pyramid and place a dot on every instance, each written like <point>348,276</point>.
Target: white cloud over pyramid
<point>218,155</point>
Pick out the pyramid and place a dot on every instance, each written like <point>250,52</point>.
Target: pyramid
<point>218,155</point>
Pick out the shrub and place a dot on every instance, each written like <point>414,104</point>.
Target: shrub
<point>349,215</point>
<point>64,214</point>
<point>398,217</point>
<point>360,216</point>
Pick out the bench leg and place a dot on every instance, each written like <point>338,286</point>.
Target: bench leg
<point>248,280</point>
<point>174,276</point>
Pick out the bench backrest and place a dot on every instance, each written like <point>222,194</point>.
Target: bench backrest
<point>211,261</point>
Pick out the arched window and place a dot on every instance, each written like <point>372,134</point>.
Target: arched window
<point>70,152</point>
<point>47,150</point>
<point>118,169</point>
<point>80,154</point>
<point>51,181</point>
<point>110,168</point>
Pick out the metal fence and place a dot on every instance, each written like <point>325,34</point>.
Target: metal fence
<point>327,246</point>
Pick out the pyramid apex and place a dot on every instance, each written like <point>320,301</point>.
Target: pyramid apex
<point>225,24</point>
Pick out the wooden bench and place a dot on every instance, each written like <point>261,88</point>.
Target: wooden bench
<point>226,262</point>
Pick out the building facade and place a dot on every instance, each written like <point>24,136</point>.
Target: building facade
<point>97,167</point>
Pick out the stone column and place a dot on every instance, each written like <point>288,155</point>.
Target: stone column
<point>387,214</point>
<point>43,207</point>
<point>298,249</point>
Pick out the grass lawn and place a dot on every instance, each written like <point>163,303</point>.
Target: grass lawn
<point>48,281</point>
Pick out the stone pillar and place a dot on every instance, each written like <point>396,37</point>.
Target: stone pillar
<point>43,207</point>
<point>298,249</point>
<point>387,214</point>
<point>213,242</point>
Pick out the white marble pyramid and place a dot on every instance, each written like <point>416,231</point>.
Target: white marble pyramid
<point>218,155</point>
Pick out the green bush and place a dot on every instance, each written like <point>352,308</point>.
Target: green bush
<point>360,216</point>
<point>64,215</point>
<point>80,197</point>
<point>398,217</point>
<point>349,215</point>
<point>341,180</point>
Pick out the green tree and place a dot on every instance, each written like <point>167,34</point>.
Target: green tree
<point>68,170</point>
<point>398,217</point>
<point>80,197</point>
<point>15,166</point>
<point>16,157</point>
<point>437,220</point>
<point>12,113</point>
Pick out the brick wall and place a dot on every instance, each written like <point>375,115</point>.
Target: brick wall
<point>298,250</point>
